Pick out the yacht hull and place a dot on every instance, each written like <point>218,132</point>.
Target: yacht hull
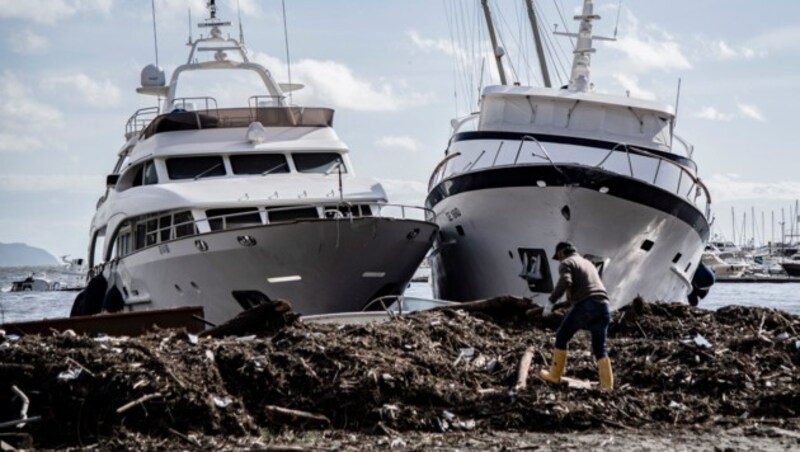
<point>320,266</point>
<point>498,237</point>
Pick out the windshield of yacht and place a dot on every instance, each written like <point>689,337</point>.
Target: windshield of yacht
<point>195,167</point>
<point>318,162</point>
<point>259,164</point>
<point>228,88</point>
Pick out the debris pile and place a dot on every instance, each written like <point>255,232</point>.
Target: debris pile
<point>433,371</point>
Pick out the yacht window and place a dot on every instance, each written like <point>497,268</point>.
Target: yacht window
<point>195,167</point>
<point>140,233</point>
<point>184,224</point>
<point>219,219</point>
<point>150,176</point>
<point>259,164</point>
<point>318,162</point>
<point>152,232</point>
<point>164,227</point>
<point>278,215</point>
<point>137,178</point>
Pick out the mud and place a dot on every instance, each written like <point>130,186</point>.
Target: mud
<point>420,381</point>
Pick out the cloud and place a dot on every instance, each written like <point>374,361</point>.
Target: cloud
<point>744,111</point>
<point>648,50</point>
<point>43,183</point>
<point>721,50</point>
<point>24,117</point>
<point>27,42</point>
<point>49,11</point>
<point>84,89</point>
<point>172,9</point>
<point>334,84</point>
<point>731,187</point>
<point>442,45</point>
<point>750,111</point>
<point>400,142</point>
<point>713,114</point>
<point>631,84</point>
<point>779,40</point>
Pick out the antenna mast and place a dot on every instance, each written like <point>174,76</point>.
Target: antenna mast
<point>286,39</point>
<point>581,63</point>
<point>155,33</point>
<point>537,38</point>
<point>497,51</point>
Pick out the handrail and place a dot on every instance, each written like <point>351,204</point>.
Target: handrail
<point>139,120</point>
<point>439,166</point>
<point>696,183</point>
<point>428,214</point>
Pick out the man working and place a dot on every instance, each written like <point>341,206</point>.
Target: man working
<point>580,279</point>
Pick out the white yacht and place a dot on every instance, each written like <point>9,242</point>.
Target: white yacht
<point>540,165</point>
<point>226,207</point>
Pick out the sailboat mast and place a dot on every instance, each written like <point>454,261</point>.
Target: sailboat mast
<point>537,39</point>
<point>496,50</point>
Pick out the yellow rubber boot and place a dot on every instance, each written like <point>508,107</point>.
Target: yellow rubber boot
<point>605,373</point>
<point>557,368</point>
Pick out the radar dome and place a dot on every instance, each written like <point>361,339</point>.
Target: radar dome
<point>153,75</point>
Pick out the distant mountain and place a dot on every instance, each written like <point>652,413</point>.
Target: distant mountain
<point>21,255</point>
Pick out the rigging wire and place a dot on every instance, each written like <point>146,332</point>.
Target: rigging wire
<point>550,45</point>
<point>503,42</point>
<point>286,40</point>
<point>455,56</point>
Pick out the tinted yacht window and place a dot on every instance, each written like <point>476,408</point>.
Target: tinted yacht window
<point>318,162</point>
<point>195,167</point>
<point>259,164</point>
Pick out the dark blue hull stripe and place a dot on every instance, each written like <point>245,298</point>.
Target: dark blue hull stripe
<point>632,190</point>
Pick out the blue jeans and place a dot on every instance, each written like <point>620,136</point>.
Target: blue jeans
<point>590,314</point>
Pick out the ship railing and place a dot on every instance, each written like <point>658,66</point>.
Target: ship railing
<point>622,159</point>
<point>139,120</point>
<point>200,104</point>
<point>244,219</point>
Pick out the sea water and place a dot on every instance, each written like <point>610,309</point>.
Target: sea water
<point>25,306</point>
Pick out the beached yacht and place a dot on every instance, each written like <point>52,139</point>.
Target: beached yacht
<point>226,207</point>
<point>540,165</point>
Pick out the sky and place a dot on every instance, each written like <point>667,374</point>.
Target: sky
<point>396,72</point>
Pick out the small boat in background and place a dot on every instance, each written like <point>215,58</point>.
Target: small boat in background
<point>34,283</point>
<point>792,265</point>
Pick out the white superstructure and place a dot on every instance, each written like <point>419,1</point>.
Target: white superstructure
<point>228,207</point>
<point>536,166</point>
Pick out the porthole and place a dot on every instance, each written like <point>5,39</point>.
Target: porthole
<point>647,245</point>
<point>676,258</point>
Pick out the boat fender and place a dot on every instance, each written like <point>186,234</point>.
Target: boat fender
<point>702,281</point>
<point>77,305</point>
<point>113,301</point>
<point>95,293</point>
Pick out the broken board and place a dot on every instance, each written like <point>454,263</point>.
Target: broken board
<point>575,383</point>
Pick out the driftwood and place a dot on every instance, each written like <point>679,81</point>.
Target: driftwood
<point>266,317</point>
<point>524,369</point>
<point>507,302</point>
<point>138,401</point>
<point>273,410</point>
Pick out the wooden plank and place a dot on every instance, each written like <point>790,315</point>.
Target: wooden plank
<point>118,324</point>
<point>578,384</point>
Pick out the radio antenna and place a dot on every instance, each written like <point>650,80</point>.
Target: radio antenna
<point>241,31</point>
<point>155,33</point>
<point>286,39</point>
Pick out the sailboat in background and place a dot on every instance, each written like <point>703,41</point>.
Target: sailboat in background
<point>540,165</point>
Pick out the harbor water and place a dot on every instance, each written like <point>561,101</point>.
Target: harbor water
<point>25,306</point>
